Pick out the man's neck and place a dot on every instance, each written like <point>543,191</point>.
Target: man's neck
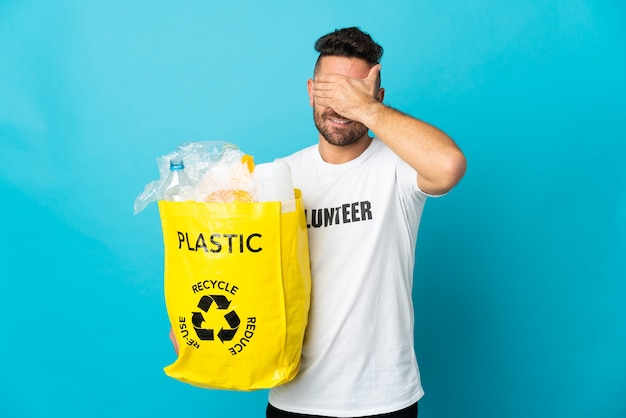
<point>335,154</point>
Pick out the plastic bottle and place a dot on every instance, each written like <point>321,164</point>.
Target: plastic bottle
<point>275,184</point>
<point>178,185</point>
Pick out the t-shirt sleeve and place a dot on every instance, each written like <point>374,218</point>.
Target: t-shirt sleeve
<point>406,177</point>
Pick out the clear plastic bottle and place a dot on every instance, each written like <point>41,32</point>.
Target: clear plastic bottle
<point>178,185</point>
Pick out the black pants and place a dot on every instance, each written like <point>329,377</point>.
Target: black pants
<point>410,412</point>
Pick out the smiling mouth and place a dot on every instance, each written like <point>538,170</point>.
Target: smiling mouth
<point>340,121</point>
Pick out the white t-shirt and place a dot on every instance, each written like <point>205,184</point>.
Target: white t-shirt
<point>363,217</point>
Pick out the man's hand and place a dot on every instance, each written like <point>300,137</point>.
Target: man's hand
<point>351,98</point>
<point>173,340</point>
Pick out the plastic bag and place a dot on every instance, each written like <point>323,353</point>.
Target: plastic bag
<point>215,170</point>
<point>237,275</point>
<point>237,291</point>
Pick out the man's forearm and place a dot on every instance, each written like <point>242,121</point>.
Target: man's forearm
<point>440,164</point>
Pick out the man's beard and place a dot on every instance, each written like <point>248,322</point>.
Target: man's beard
<point>340,136</point>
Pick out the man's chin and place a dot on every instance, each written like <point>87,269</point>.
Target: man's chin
<point>341,136</point>
<point>340,141</point>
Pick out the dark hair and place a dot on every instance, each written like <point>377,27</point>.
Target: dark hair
<point>351,43</point>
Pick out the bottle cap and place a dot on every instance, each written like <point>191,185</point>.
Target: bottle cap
<point>177,164</point>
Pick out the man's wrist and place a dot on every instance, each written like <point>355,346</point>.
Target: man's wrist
<point>373,114</point>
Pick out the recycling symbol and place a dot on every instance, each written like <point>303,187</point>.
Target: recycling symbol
<point>208,334</point>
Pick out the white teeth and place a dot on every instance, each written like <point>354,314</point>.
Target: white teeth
<point>342,122</point>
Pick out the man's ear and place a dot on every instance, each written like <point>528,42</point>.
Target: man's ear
<point>380,95</point>
<point>309,87</point>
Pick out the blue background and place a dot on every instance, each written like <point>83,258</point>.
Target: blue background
<point>520,285</point>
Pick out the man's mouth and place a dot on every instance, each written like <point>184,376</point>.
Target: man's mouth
<point>340,121</point>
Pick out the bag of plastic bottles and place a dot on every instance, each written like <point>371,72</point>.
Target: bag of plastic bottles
<point>236,271</point>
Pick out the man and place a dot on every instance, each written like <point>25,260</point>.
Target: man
<point>364,198</point>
